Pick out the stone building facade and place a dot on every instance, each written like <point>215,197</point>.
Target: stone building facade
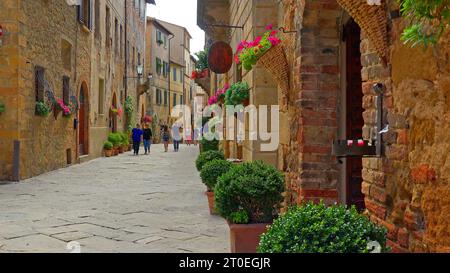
<point>333,66</point>
<point>51,50</point>
<point>157,63</point>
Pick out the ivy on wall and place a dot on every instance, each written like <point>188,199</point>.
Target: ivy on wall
<point>428,21</point>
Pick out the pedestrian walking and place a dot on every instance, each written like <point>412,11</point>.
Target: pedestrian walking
<point>166,137</point>
<point>188,136</point>
<point>176,136</point>
<point>147,136</point>
<point>137,136</point>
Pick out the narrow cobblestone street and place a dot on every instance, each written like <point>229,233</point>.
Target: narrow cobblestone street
<point>152,203</point>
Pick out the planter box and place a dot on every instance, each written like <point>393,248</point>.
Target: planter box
<point>210,195</point>
<point>245,238</point>
<point>108,153</point>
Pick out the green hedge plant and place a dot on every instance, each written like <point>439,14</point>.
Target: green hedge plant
<point>108,145</point>
<point>209,145</point>
<point>115,139</point>
<point>206,157</point>
<point>2,107</point>
<point>321,229</point>
<point>249,193</point>
<point>213,170</point>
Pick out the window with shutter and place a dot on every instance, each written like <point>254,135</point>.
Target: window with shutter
<point>174,99</point>
<point>165,98</point>
<point>39,78</point>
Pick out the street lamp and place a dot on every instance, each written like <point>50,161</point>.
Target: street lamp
<point>140,70</point>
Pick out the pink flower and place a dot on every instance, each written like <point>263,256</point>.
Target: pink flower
<point>257,40</point>
<point>273,33</point>
<point>274,41</point>
<point>236,59</point>
<point>269,27</point>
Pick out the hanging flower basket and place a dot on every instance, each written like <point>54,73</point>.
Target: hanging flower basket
<point>274,61</point>
<point>373,21</point>
<point>267,51</point>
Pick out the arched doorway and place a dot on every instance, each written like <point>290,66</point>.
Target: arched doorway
<point>83,118</point>
<point>113,117</point>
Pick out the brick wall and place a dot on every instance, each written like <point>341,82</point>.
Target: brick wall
<point>316,88</point>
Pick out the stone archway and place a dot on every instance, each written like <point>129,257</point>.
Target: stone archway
<point>83,119</point>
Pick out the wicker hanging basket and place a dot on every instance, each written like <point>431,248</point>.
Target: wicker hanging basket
<point>373,21</point>
<point>274,61</point>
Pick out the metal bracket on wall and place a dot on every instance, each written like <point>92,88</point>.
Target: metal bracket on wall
<point>287,31</point>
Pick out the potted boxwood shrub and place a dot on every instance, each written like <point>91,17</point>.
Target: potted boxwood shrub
<point>114,138</point>
<point>321,229</point>
<point>206,157</point>
<point>121,143</point>
<point>209,174</point>
<point>249,196</point>
<point>125,142</point>
<point>107,147</point>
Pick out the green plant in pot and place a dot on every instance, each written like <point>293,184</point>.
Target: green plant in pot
<point>209,145</point>
<point>237,93</point>
<point>209,174</point>
<point>2,107</point>
<point>123,139</point>
<point>206,157</point>
<point>249,196</point>
<point>42,109</point>
<point>108,147</point>
<point>320,229</point>
<point>115,139</point>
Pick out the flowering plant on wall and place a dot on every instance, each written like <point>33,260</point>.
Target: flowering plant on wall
<point>200,74</point>
<point>65,109</point>
<point>237,93</point>
<point>117,111</point>
<point>42,109</point>
<point>248,53</point>
<point>219,96</point>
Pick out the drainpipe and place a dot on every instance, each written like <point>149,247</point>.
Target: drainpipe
<point>126,51</point>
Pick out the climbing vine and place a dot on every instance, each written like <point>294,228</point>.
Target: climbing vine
<point>428,21</point>
<point>129,111</point>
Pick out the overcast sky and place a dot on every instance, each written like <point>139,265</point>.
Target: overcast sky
<point>183,13</point>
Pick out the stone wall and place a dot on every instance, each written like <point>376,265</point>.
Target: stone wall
<point>48,34</point>
<point>43,25</point>
<point>408,190</point>
<point>9,82</point>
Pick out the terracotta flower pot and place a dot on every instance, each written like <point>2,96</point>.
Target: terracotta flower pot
<point>244,238</point>
<point>108,153</point>
<point>115,151</point>
<point>121,150</point>
<point>212,209</point>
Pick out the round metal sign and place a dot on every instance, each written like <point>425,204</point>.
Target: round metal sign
<point>220,57</point>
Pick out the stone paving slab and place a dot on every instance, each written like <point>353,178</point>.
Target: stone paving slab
<point>152,203</point>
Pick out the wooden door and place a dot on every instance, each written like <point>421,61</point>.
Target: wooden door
<point>82,126</point>
<point>355,121</point>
